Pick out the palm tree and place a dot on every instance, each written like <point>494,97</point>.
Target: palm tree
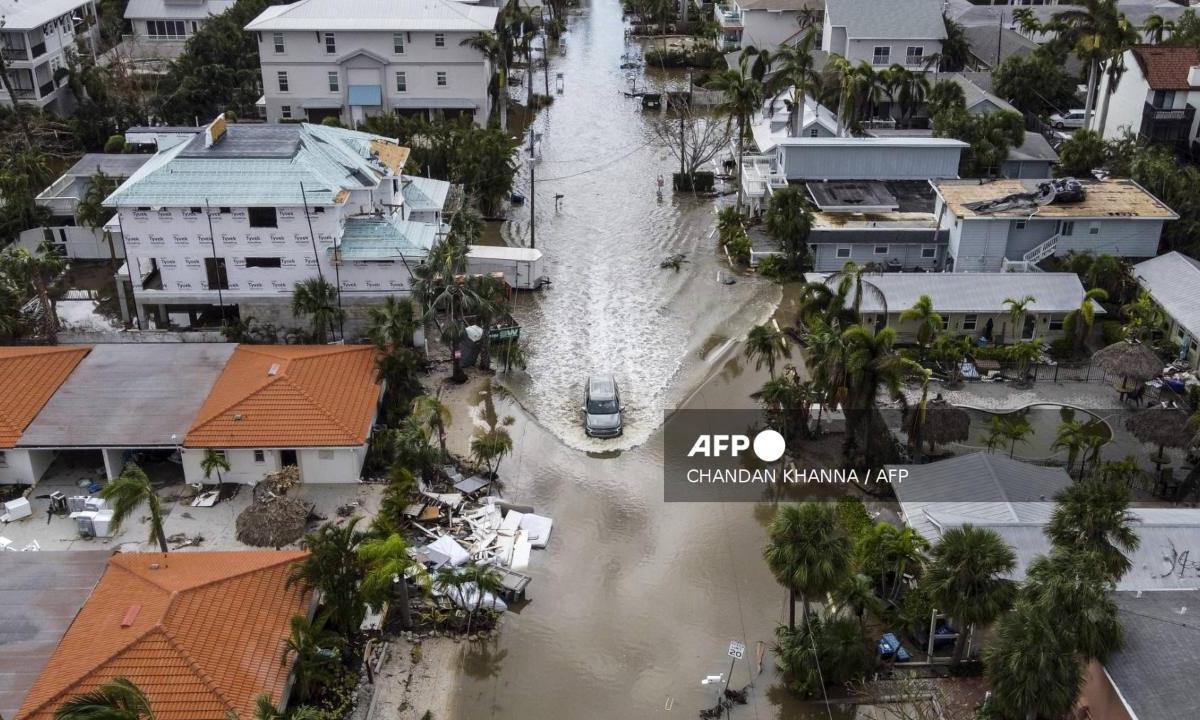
<point>1155,26</point>
<point>743,97</point>
<point>317,299</point>
<point>1017,307</point>
<point>117,699</point>
<point>1012,428</point>
<point>789,220</point>
<point>1082,318</point>
<point>313,652</point>
<point>264,709</point>
<point>398,368</point>
<point>825,358</point>
<point>929,322</point>
<point>950,351</point>
<point>433,413</point>
<point>1024,354</point>
<point>393,323</point>
<point>824,652</point>
<point>966,579</point>
<point>766,345</point>
<point>333,567</point>
<point>214,461</point>
<point>946,95</point>
<point>1094,28</point>
<point>91,213</point>
<point>1093,516</point>
<point>852,276</point>
<point>1072,587</point>
<point>796,73</point>
<point>492,49</point>
<point>789,398</point>
<point>1072,436</point>
<point>807,553</point>
<point>857,594</point>
<point>388,565</point>
<point>1143,317</point>
<point>490,447</point>
<point>36,270</point>
<point>127,493</point>
<point>871,365</point>
<point>1031,673</point>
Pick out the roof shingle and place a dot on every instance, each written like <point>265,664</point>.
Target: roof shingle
<point>29,377</point>
<point>1166,68</point>
<point>202,634</point>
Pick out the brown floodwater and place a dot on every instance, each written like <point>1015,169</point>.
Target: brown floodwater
<point>635,600</point>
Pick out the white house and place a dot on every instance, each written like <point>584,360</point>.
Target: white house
<point>1155,98</point>
<point>38,40</point>
<point>997,225</point>
<point>882,34</point>
<point>762,23</point>
<point>326,58</point>
<point>1173,282</point>
<point>171,20</point>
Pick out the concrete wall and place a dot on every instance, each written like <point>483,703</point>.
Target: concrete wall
<point>308,65</point>
<point>766,29</point>
<point>1126,103</point>
<point>329,465</point>
<point>24,467</point>
<point>333,465</point>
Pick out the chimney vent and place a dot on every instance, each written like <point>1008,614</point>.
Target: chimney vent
<point>131,614</point>
<point>273,370</point>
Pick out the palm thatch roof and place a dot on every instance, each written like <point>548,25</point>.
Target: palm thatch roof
<point>276,523</point>
<point>1165,427</point>
<point>1129,359</point>
<point>944,423</point>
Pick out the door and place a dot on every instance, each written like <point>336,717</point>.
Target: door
<point>288,457</point>
<point>1029,327</point>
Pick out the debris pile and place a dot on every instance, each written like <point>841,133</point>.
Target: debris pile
<point>273,519</point>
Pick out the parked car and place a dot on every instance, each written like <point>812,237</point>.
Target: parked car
<point>602,407</point>
<point>1069,119</point>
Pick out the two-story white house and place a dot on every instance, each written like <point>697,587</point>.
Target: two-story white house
<point>172,21</point>
<point>326,58</point>
<point>1155,98</point>
<point>762,24</point>
<point>38,39</point>
<point>882,34</point>
<point>993,226</point>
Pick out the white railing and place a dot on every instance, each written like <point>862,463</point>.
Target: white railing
<point>759,177</point>
<point>1018,266</point>
<point>1042,251</point>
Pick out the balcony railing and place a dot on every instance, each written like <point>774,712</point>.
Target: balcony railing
<point>727,16</point>
<point>15,54</point>
<point>759,177</point>
<point>1167,125</point>
<point>37,51</point>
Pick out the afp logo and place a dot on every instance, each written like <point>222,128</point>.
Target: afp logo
<point>767,445</point>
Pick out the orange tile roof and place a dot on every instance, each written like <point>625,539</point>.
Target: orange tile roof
<point>318,396</point>
<point>203,635</point>
<point>1166,68</point>
<point>29,376</point>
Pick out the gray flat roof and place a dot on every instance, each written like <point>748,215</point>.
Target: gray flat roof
<point>117,165</point>
<point>973,292</point>
<point>1173,280</point>
<point>1155,669</point>
<point>130,395</point>
<point>40,594</point>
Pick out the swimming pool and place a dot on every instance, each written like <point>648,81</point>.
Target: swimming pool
<point>1044,419</point>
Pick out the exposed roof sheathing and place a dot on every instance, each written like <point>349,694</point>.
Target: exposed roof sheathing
<point>1113,198</point>
<point>201,633</point>
<point>290,396</point>
<point>29,377</point>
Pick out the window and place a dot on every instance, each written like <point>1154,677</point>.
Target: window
<point>285,112</point>
<point>1021,224</point>
<point>319,210</point>
<point>843,252</point>
<point>914,55</point>
<point>1094,228</point>
<point>882,55</point>
<point>333,81</point>
<point>194,210</point>
<point>945,322</point>
<point>3,459</point>
<point>283,80</point>
<point>1056,322</point>
<point>221,454</point>
<point>260,456</point>
<point>228,210</point>
<point>928,252</point>
<point>398,43</point>
<point>1066,228</point>
<point>218,278</point>
<point>325,454</point>
<point>401,83</point>
<point>813,132</point>
<point>330,43</point>
<point>277,38</point>
<point>881,249</point>
<point>262,217</point>
<point>1164,99</point>
<point>166,29</point>
<point>969,322</point>
<point>263,262</point>
<point>439,39</point>
<point>441,78</point>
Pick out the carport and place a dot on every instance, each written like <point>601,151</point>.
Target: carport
<point>124,397</point>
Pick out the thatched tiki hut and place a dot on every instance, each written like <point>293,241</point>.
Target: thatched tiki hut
<point>944,423</point>
<point>1164,427</point>
<point>1130,359</point>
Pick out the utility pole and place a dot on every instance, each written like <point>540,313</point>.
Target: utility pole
<point>532,194</point>
<point>545,52</point>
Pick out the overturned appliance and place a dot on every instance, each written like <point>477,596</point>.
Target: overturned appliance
<point>1059,190</point>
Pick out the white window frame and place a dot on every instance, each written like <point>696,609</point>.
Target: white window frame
<point>330,43</point>
<point>285,112</point>
<point>1066,228</point>
<point>335,81</point>
<point>929,252</point>
<point>1056,322</point>
<point>278,41</point>
<point>914,59</point>
<point>886,55</point>
<point>882,250</point>
<point>837,253</point>
<point>401,82</point>
<point>397,43</point>
<point>439,40</point>
<point>1094,227</point>
<point>970,322</point>
<point>442,79</point>
<point>281,80</point>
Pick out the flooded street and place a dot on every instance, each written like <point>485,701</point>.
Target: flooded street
<point>611,308</point>
<point>635,600</point>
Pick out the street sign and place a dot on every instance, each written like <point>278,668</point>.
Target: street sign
<point>510,332</point>
<point>736,650</point>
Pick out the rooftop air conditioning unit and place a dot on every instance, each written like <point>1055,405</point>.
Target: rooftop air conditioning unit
<point>1194,76</point>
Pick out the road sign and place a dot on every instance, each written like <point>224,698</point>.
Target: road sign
<point>510,332</point>
<point>736,650</point>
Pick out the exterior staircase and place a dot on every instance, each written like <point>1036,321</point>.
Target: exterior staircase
<point>1042,251</point>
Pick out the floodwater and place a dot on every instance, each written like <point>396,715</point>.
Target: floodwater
<point>610,307</point>
<point>635,600</point>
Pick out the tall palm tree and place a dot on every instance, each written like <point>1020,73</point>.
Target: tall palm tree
<point>333,567</point>
<point>313,653</point>
<point>1024,353</point>
<point>766,345</point>
<point>852,276</point>
<point>214,461</point>
<point>789,220</point>
<point>929,322</point>
<point>393,323</point>
<point>1155,27</point>
<point>317,299</point>
<point>489,447</point>
<point>91,213</point>
<point>117,699</point>
<point>1091,27</point>
<point>743,96</point>
<point>807,552</point>
<point>966,579</point>
<point>1031,674</point>
<point>1072,587</point>
<point>871,365</point>
<point>37,270</point>
<point>1071,436</point>
<point>434,415</point>
<point>387,566</point>
<point>1093,516</point>
<point>1082,318</point>
<point>126,493</point>
<point>796,74</point>
<point>399,369</point>
<point>1017,307</point>
<point>490,46</point>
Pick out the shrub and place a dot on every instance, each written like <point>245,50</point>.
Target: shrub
<point>115,144</point>
<point>231,116</point>
<point>773,267</point>
<point>699,181</point>
<point>739,248</point>
<point>1062,349</point>
<point>1111,332</point>
<point>853,517</point>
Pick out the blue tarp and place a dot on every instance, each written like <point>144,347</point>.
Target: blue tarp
<point>365,95</point>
